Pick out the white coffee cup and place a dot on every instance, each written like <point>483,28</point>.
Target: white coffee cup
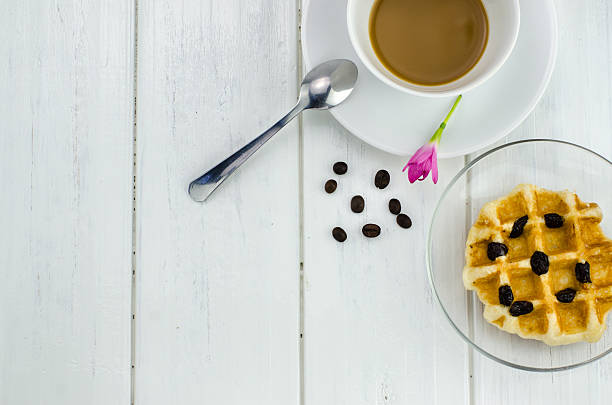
<point>504,22</point>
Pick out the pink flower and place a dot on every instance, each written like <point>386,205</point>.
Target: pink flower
<point>425,159</point>
<point>422,162</point>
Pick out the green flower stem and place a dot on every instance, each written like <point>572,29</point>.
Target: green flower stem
<point>438,134</point>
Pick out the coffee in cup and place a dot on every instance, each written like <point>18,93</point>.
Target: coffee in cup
<point>433,48</point>
<point>429,42</point>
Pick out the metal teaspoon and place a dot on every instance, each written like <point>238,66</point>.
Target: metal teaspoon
<point>324,87</point>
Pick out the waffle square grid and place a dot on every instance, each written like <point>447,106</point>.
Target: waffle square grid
<point>579,240</point>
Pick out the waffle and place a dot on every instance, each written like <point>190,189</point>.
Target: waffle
<point>562,305</point>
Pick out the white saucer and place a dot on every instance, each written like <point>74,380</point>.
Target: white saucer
<point>399,123</point>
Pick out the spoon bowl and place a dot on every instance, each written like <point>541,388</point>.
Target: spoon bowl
<point>329,84</point>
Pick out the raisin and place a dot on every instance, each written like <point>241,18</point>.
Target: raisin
<point>553,220</point>
<point>517,228</point>
<point>583,272</point>
<point>340,168</point>
<point>505,295</point>
<point>539,263</point>
<point>496,249</point>
<point>566,295</point>
<point>521,308</point>
<point>330,186</point>
<point>339,234</point>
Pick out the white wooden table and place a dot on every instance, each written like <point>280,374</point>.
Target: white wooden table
<point>116,287</point>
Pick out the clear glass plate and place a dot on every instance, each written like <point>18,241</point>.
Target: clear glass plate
<point>551,164</point>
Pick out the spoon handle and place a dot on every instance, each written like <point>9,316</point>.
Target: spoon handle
<point>202,187</point>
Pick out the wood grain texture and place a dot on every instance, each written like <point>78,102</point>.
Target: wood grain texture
<point>217,283</point>
<point>372,331</point>
<point>576,107</point>
<point>66,109</point>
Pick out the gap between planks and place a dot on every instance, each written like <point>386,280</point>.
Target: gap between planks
<point>468,294</point>
<point>300,74</point>
<point>134,217</point>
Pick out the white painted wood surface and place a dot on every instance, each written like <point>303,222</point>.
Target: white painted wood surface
<point>372,331</point>
<point>66,108</point>
<point>218,301</point>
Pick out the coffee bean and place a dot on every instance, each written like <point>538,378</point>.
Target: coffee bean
<point>340,168</point>
<point>505,295</point>
<point>395,206</point>
<point>553,220</point>
<point>357,204</point>
<point>521,308</point>
<point>404,221</point>
<point>496,249</point>
<point>539,263</point>
<point>330,186</point>
<point>339,234</point>
<point>566,296</point>
<point>517,227</point>
<point>371,230</point>
<point>583,272</point>
<point>382,179</point>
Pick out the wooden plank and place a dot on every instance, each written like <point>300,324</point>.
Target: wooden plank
<point>217,317</point>
<point>576,108</point>
<point>66,74</point>
<point>373,333</point>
